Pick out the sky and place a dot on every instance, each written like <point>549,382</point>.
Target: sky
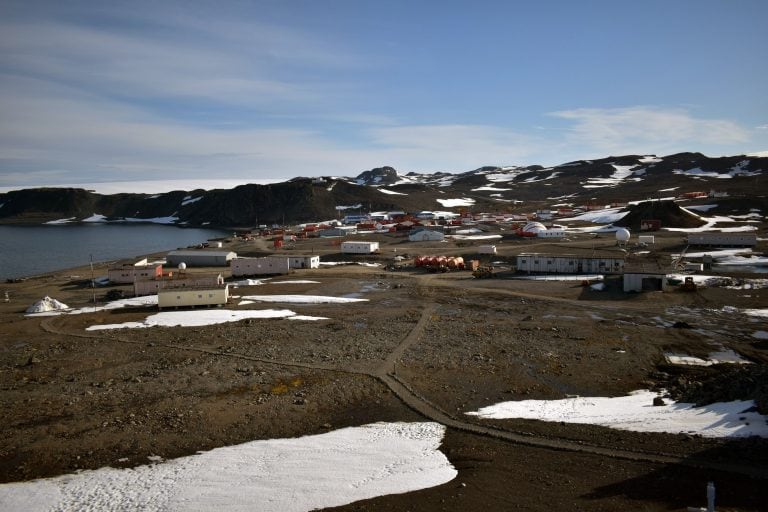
<point>257,91</point>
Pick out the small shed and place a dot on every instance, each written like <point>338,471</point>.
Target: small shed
<point>200,258</point>
<point>357,247</point>
<point>426,235</point>
<point>194,296</point>
<point>646,239</point>
<point>303,262</point>
<point>644,282</point>
<point>486,249</point>
<point>269,265</point>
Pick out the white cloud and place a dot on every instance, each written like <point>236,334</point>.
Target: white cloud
<point>645,129</point>
<point>453,147</point>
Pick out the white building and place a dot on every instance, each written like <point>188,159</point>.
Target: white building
<point>569,264</point>
<point>359,247</point>
<point>486,249</point>
<point>200,258</point>
<point>269,265</point>
<point>124,273</point>
<point>551,233</point>
<point>182,280</point>
<point>426,235</point>
<point>644,282</point>
<point>303,262</point>
<point>195,296</point>
<point>723,239</point>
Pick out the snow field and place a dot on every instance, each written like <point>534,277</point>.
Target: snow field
<point>637,413</point>
<point>278,475</point>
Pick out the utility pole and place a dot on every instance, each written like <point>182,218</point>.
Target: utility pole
<point>93,284</point>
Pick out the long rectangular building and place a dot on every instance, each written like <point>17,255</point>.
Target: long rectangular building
<point>723,239</point>
<point>200,258</point>
<point>569,264</point>
<point>193,296</point>
<point>269,265</point>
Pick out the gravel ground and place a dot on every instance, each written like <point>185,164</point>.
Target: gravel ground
<point>76,399</point>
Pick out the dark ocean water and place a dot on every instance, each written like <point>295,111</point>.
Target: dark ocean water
<point>33,250</point>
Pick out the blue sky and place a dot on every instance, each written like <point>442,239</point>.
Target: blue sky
<point>263,90</point>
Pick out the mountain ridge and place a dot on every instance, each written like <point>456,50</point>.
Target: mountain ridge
<point>613,179</point>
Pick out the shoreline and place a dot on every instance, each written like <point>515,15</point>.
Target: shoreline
<point>79,245</point>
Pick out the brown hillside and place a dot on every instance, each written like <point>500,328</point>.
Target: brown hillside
<point>668,212</point>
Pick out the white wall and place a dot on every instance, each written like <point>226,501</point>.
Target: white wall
<point>359,247</point>
<point>270,265</point>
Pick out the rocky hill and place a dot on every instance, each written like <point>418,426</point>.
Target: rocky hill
<point>603,181</point>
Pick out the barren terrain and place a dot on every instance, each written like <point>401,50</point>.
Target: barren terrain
<point>424,346</point>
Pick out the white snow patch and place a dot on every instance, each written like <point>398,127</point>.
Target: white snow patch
<point>154,220</point>
<point>62,221</point>
<point>197,318</point>
<point>276,475</point>
<point>302,299</point>
<point>720,357</point>
<point>490,189</point>
<point>701,207</point>
<point>297,281</point>
<point>562,277</point>
<point>46,304</point>
<point>248,282</point>
<point>636,412</point>
<point>475,237</point>
<point>761,335</point>
<point>147,300</point>
<point>391,192</point>
<point>361,263</point>
<point>451,203</point>
<point>96,217</point>
<point>604,216</point>
<point>189,200</point>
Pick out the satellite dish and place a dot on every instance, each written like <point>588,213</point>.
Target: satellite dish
<point>182,266</point>
<point>622,235</point>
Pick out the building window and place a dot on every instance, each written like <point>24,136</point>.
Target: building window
<point>200,296</point>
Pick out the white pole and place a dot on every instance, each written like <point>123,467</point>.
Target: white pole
<point>711,497</point>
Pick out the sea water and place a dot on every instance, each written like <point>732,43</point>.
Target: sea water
<point>34,250</point>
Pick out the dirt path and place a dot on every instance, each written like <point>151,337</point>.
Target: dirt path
<point>386,372</point>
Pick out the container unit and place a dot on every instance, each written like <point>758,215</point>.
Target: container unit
<point>486,249</point>
<point>303,262</point>
<point>646,239</point>
<point>191,297</point>
<point>359,247</point>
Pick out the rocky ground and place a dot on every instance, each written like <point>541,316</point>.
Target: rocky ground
<point>75,399</point>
